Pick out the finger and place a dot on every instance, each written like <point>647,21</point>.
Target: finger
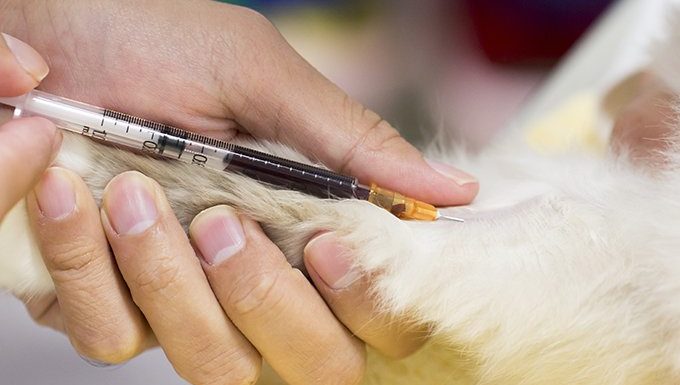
<point>98,314</point>
<point>167,283</point>
<point>21,67</point>
<point>273,304</point>
<point>27,146</point>
<point>346,291</point>
<point>293,103</point>
<point>45,311</point>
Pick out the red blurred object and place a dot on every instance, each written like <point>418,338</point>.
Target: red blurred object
<point>531,31</point>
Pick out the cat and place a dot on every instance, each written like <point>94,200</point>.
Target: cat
<point>566,271</point>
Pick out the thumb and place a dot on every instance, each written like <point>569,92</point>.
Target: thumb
<point>21,67</point>
<point>347,293</point>
<point>293,103</point>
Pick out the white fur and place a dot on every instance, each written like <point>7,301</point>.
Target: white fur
<point>566,271</point>
<point>21,266</point>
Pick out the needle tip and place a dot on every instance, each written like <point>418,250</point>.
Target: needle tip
<point>449,218</point>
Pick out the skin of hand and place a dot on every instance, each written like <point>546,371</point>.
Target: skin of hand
<point>222,71</point>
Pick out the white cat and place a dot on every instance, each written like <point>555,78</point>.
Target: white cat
<point>567,270</point>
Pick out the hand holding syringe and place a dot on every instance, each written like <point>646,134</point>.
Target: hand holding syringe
<point>222,67</point>
<point>170,142</point>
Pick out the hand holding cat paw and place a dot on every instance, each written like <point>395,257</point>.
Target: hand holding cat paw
<point>217,305</point>
<point>27,146</point>
<point>215,308</point>
<point>225,71</point>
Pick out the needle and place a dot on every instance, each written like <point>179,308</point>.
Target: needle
<point>449,218</point>
<point>155,138</point>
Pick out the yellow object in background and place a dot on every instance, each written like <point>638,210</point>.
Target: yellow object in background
<point>575,124</point>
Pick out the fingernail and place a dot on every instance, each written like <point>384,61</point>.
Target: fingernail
<point>218,234</point>
<point>96,363</point>
<point>55,194</point>
<point>27,57</point>
<point>129,203</point>
<point>461,178</point>
<point>331,260</point>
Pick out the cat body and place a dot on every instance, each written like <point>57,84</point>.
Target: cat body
<point>566,271</point>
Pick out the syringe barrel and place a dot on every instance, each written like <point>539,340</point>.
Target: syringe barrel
<point>293,175</point>
<point>159,139</point>
<point>171,142</point>
<point>66,114</point>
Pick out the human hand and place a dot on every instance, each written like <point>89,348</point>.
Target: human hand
<point>21,69</point>
<point>155,288</point>
<point>224,72</point>
<point>115,303</point>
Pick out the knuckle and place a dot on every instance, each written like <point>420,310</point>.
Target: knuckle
<point>71,261</point>
<point>254,19</point>
<point>251,27</point>
<point>380,135</point>
<point>234,57</point>
<point>214,365</point>
<point>373,136</point>
<point>113,348</point>
<point>255,294</point>
<point>158,276</point>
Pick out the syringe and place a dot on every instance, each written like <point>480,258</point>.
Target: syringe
<point>170,142</point>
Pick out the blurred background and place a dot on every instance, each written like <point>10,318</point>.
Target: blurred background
<point>466,65</point>
<point>463,65</point>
